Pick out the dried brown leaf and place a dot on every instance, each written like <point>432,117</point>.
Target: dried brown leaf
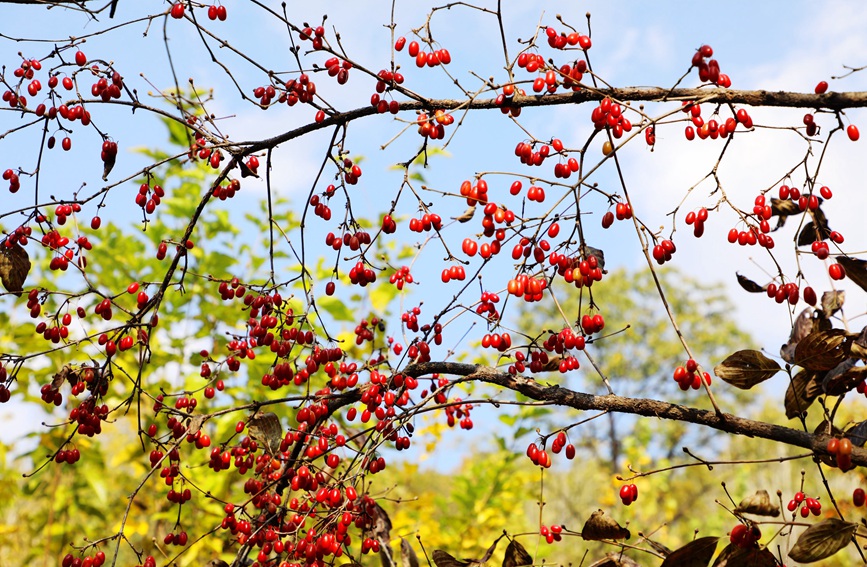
<point>265,429</point>
<point>758,504</point>
<point>858,433</point>
<point>14,267</point>
<point>599,526</point>
<point>803,389</point>
<point>822,540</point>
<point>749,285</point>
<point>803,326</point>
<point>516,555</point>
<point>856,270</point>
<point>784,208</point>
<point>843,377</point>
<point>821,350</point>
<point>813,232</point>
<point>444,559</point>
<point>408,558</point>
<point>696,553</point>
<point>832,301</point>
<point>734,556</point>
<point>467,215</point>
<point>614,560</point>
<point>746,368</point>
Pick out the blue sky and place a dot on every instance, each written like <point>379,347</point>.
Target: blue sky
<point>761,45</point>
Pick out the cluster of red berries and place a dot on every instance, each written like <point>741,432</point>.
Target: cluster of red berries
<point>231,289</point>
<point>455,272</point>
<point>337,68</point>
<point>560,443</point>
<point>504,100</point>
<point>217,12</point>
<point>628,494</point>
<point>432,58</point>
<point>427,222</point>
<point>223,192</point>
<point>582,273</point>
<point>105,90</point>
<point>388,225</point>
<point>539,456</point>
<point>697,220</point>
<point>12,177</point>
<point>687,376</point>
<point>20,235</point>
<point>320,209</point>
<point>477,193</point>
<point>96,560</point>
<point>179,539</point>
<point>530,288</point>
<point>500,341</point>
<point>808,505</point>
<point>841,450</point>
<point>68,456</point>
<point>592,323</point>
<point>386,80</point>
<point>745,536</point>
<point>314,35</point>
<point>487,306</point>
<point>561,40</point>
<point>663,251</point>
<point>401,277</point>
<point>551,533</point>
<point>434,127</point>
<point>708,71</point>
<point>609,114</point>
<point>790,292</point>
<point>525,249</point>
<point>298,90</point>
<point>622,211</point>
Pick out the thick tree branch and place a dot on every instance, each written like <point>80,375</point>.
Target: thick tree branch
<point>636,406</point>
<point>779,99</point>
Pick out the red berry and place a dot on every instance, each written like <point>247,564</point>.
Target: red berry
<point>80,60</point>
<point>853,132</point>
<point>821,87</point>
<point>178,11</point>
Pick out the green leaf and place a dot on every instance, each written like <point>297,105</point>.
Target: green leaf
<point>746,368</point>
<point>336,308</point>
<point>823,540</point>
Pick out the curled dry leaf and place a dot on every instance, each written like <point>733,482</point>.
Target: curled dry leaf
<point>14,267</point>
<point>600,256</point>
<point>516,555</point>
<point>858,433</point>
<point>696,553</point>
<point>803,326</point>
<point>444,559</point>
<point>856,270</point>
<point>822,540</point>
<point>803,389</point>
<point>817,229</point>
<point>832,301</point>
<point>467,215</point>
<point>265,429</point>
<point>65,374</point>
<point>758,504</point>
<point>408,558</point>
<point>614,560</point>
<point>843,377</point>
<point>734,556</point>
<point>599,526</point>
<point>858,348</point>
<point>746,368</point>
<point>822,350</point>
<point>749,285</point>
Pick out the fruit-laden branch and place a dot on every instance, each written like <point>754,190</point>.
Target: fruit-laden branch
<point>779,99</point>
<point>636,406</point>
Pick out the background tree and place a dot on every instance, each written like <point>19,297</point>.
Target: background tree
<point>253,365</point>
